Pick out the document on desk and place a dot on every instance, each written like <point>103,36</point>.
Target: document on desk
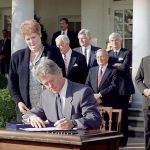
<point>48,129</point>
<point>40,129</point>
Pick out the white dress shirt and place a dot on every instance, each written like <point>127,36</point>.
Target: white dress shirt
<point>68,57</point>
<point>88,49</point>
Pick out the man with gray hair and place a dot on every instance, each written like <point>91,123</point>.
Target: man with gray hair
<point>103,80</point>
<point>75,63</point>
<point>67,104</point>
<point>86,48</point>
<point>121,59</point>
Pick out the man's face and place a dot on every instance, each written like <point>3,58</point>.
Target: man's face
<point>54,83</point>
<point>84,40</point>
<point>62,46</point>
<point>101,58</point>
<point>63,25</point>
<point>115,43</point>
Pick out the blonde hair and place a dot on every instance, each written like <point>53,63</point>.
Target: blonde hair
<point>30,26</point>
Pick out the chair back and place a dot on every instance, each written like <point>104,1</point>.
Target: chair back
<point>105,111</point>
<point>118,112</point>
<point>113,119</point>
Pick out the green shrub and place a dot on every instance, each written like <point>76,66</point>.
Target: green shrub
<point>7,108</point>
<point>3,82</point>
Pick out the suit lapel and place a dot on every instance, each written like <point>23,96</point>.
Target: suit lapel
<point>68,103</point>
<point>105,76</point>
<point>95,78</point>
<point>72,62</point>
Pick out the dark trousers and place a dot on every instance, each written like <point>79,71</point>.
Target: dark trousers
<point>123,103</point>
<point>147,129</point>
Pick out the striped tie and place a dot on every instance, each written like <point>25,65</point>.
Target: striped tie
<point>100,75</point>
<point>85,54</point>
<point>65,62</point>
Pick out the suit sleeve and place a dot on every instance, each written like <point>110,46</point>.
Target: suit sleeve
<point>88,79</point>
<point>139,78</point>
<point>126,63</point>
<point>53,43</point>
<point>38,111</point>
<point>13,82</point>
<point>91,117</point>
<point>84,69</point>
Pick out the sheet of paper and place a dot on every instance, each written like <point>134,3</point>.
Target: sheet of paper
<point>40,129</point>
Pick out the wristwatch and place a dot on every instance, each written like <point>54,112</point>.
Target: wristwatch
<point>74,123</point>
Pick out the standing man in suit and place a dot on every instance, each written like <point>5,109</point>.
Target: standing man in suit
<point>103,80</point>
<point>86,48</point>
<point>64,30</point>
<point>142,81</point>
<point>67,104</point>
<point>76,67</point>
<point>121,59</point>
<point>5,52</point>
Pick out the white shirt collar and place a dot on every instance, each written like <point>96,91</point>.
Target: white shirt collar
<point>116,50</point>
<point>68,56</point>
<point>64,31</point>
<point>104,68</point>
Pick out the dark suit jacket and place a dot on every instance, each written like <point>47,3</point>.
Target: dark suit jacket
<point>80,104</point>
<point>142,79</point>
<point>92,60</point>
<point>126,86</point>
<point>6,51</point>
<point>108,84</point>
<point>19,72</point>
<point>77,70</point>
<point>71,35</point>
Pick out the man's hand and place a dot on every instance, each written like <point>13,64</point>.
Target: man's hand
<point>37,122</point>
<point>147,93</point>
<point>98,97</point>
<point>22,107</point>
<point>64,124</point>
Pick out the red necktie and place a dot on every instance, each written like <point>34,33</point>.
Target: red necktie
<point>99,75</point>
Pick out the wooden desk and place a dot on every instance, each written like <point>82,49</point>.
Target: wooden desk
<point>83,140</point>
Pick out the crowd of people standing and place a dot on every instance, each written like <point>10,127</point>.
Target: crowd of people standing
<point>71,68</point>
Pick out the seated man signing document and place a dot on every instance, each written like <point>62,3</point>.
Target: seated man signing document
<point>67,104</point>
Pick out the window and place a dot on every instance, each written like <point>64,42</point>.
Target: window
<point>123,22</point>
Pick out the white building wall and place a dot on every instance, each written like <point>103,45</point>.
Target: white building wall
<point>50,10</point>
<point>5,3</point>
<point>92,16</point>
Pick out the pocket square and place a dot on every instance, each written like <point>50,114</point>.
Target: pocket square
<point>120,58</point>
<point>75,65</point>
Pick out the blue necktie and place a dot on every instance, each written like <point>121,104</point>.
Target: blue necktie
<point>116,54</point>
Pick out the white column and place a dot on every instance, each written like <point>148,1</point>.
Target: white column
<point>92,19</point>
<point>21,10</point>
<point>141,37</point>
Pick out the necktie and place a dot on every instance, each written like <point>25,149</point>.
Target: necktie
<point>59,106</point>
<point>116,54</point>
<point>100,75</point>
<point>85,53</point>
<point>63,33</point>
<point>65,62</point>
